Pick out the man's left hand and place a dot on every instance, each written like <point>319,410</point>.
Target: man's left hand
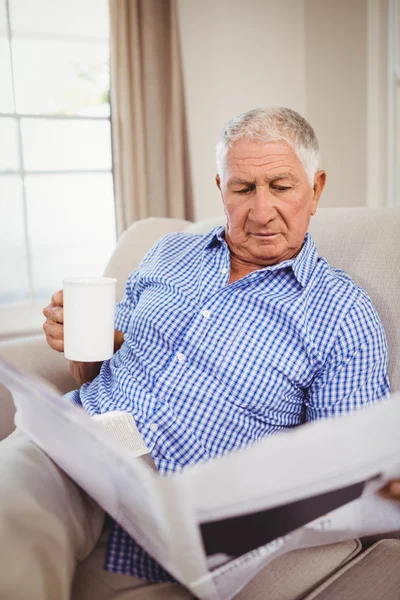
<point>391,490</point>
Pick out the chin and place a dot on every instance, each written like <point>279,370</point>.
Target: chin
<point>267,247</point>
<point>266,257</point>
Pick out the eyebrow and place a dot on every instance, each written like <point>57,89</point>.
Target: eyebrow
<point>284,175</point>
<point>278,176</point>
<point>241,182</point>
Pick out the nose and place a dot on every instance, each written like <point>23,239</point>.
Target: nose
<point>263,207</point>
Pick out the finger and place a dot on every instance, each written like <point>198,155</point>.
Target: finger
<point>54,313</point>
<point>384,492</point>
<point>391,490</point>
<point>47,309</point>
<point>58,298</point>
<point>55,344</point>
<point>54,330</point>
<point>58,314</point>
<point>394,489</point>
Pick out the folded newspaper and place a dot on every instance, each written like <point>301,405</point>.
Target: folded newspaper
<point>216,524</point>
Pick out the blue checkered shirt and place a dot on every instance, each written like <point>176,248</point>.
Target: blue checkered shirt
<point>208,367</point>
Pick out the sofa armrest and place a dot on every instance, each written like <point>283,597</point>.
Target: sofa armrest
<point>33,356</point>
<point>133,245</point>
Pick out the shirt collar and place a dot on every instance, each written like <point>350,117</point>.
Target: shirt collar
<point>215,237</point>
<point>302,265</point>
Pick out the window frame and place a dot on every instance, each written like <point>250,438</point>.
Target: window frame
<point>26,318</point>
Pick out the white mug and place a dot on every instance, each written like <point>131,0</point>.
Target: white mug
<point>89,310</point>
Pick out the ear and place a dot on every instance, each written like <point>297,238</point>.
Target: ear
<point>319,184</point>
<point>218,182</point>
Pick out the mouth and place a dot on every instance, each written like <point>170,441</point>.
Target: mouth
<point>265,235</point>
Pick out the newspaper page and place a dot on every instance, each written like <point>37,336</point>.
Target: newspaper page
<point>216,524</point>
<point>122,426</point>
<point>108,471</point>
<point>255,504</point>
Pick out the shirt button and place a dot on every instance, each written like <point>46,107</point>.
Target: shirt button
<point>180,357</point>
<point>206,314</point>
<point>224,271</point>
<point>153,427</point>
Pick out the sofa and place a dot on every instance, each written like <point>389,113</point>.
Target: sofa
<point>364,243</point>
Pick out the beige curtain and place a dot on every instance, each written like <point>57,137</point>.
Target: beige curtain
<point>150,155</point>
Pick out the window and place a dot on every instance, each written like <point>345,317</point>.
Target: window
<point>394,102</point>
<point>57,214</point>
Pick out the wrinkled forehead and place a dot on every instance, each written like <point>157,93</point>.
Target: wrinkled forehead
<point>266,159</point>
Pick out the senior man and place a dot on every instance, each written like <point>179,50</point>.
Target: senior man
<point>221,340</point>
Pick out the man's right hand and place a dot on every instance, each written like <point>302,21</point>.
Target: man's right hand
<point>53,327</point>
<point>54,324</point>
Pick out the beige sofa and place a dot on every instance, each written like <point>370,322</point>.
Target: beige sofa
<point>363,242</point>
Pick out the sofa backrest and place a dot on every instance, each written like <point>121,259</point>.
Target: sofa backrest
<point>133,245</point>
<point>363,242</point>
<point>366,244</point>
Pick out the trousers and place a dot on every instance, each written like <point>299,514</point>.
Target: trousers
<point>53,536</point>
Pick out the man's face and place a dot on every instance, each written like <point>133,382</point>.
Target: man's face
<point>267,200</point>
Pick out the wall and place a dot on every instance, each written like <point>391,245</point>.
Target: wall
<point>336,96</point>
<point>324,58</point>
<point>378,193</point>
<point>236,56</point>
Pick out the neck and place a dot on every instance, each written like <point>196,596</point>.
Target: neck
<point>240,269</point>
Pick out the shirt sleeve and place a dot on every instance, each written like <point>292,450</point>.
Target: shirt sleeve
<point>125,307</point>
<point>356,371</point>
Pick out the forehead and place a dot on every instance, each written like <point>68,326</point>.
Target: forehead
<point>256,158</point>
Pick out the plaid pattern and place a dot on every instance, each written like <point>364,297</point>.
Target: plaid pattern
<point>207,368</point>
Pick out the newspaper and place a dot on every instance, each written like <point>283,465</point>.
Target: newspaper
<point>216,524</point>
<point>122,427</point>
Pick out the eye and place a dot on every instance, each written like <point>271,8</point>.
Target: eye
<point>243,191</point>
<point>281,188</point>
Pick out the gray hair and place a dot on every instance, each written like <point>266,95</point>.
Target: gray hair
<point>266,124</point>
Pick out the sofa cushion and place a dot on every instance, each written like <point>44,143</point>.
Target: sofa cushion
<point>292,575</point>
<point>372,575</point>
<point>134,243</point>
<point>33,356</point>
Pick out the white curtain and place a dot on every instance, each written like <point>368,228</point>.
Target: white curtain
<point>150,155</point>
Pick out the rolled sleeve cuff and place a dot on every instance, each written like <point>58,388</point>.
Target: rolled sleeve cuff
<point>122,317</point>
<point>74,397</point>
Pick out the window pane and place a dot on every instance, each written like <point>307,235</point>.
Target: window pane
<point>6,94</point>
<point>87,18</point>
<point>8,145</point>
<point>3,19</point>
<point>56,145</point>
<point>63,77</point>
<point>13,266</point>
<point>71,224</point>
